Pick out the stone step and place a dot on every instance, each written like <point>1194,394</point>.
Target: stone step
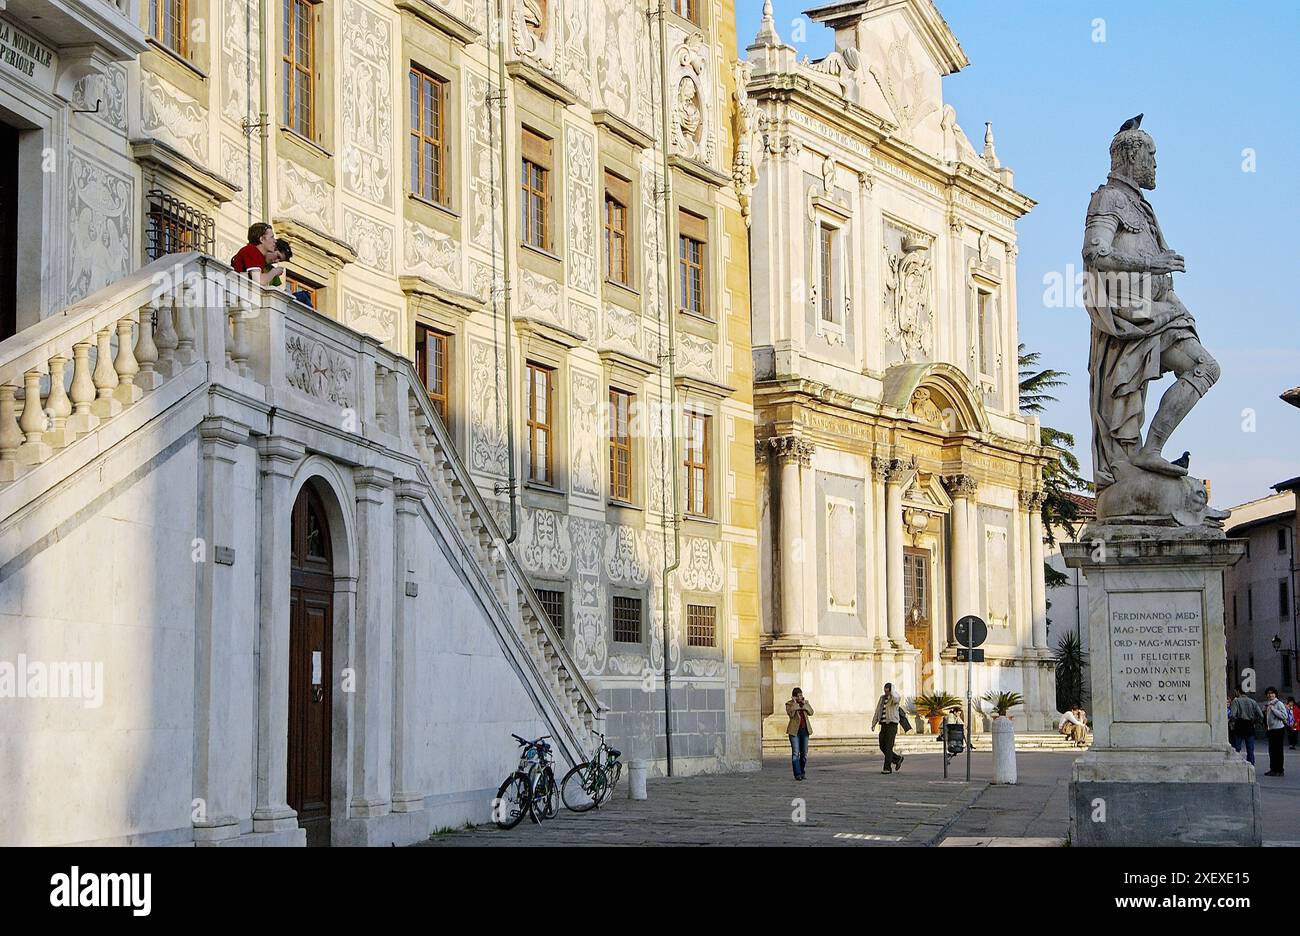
<point>921,743</point>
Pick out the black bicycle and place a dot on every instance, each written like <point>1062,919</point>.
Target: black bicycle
<point>592,783</point>
<point>530,789</point>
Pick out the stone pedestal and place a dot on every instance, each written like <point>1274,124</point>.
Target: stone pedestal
<point>1160,771</point>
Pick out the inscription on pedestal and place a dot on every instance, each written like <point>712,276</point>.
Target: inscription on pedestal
<point>1157,656</point>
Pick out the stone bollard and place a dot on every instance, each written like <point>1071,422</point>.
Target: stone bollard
<point>1004,750</point>
<point>636,776</point>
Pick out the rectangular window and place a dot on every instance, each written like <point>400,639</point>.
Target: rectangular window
<point>540,385</point>
<point>701,626</point>
<point>535,197</point>
<point>687,9</point>
<point>1283,600</point>
<point>433,361</point>
<point>1250,605</point>
<point>169,25</point>
<point>692,237</point>
<point>620,445</point>
<point>1281,540</point>
<point>299,57</point>
<point>298,284</point>
<point>617,198</point>
<point>697,465</point>
<point>428,136</point>
<point>627,619</point>
<point>826,287</point>
<point>985,301</point>
<point>553,602</point>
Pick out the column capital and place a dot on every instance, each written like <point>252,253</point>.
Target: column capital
<point>961,485</point>
<point>1032,500</point>
<point>891,470</point>
<point>224,431</point>
<point>279,455</point>
<point>372,479</point>
<point>791,448</point>
<point>411,491</point>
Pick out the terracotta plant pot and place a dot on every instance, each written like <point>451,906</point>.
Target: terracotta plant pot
<point>936,722</point>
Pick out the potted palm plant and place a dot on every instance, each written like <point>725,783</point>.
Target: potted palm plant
<point>1003,702</point>
<point>932,705</point>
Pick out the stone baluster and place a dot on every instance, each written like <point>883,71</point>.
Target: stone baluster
<point>185,353</point>
<point>238,350</point>
<point>106,405</point>
<point>126,365</point>
<point>146,352</point>
<point>11,436</point>
<point>166,338</point>
<point>381,397</point>
<point>83,418</point>
<point>33,423</point>
<point>58,406</point>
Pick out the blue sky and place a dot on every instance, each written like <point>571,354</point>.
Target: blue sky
<point>1213,79</point>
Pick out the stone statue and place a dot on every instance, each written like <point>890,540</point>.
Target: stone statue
<point>1140,331</point>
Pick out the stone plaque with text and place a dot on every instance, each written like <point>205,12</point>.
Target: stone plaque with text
<point>1157,647</point>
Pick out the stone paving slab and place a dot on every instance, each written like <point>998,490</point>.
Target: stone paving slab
<point>846,801</point>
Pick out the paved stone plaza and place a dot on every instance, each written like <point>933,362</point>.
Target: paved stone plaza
<point>849,802</point>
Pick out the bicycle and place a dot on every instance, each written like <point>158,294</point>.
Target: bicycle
<point>530,789</point>
<point>591,783</point>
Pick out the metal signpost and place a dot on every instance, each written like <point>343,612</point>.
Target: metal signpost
<point>971,632</point>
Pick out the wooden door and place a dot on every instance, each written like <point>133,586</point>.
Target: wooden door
<point>9,232</point>
<point>311,639</point>
<point>917,610</point>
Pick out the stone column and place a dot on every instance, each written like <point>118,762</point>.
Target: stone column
<point>1037,582</point>
<point>372,778</point>
<point>879,470</point>
<point>407,796</point>
<point>222,707</point>
<point>965,558</point>
<point>793,454</point>
<point>898,473</point>
<point>279,457</point>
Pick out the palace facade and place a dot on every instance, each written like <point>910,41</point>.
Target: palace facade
<point>900,486</point>
<point>515,435</point>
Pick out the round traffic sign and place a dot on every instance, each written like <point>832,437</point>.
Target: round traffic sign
<point>971,631</point>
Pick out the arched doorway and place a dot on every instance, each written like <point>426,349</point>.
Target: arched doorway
<point>311,671</point>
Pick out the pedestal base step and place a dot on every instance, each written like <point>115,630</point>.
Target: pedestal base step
<point>1152,814</point>
<point>921,743</point>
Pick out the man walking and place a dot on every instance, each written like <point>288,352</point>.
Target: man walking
<point>799,729</point>
<point>1244,713</point>
<point>886,717</point>
<point>1276,711</point>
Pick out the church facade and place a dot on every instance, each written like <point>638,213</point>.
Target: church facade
<point>900,486</point>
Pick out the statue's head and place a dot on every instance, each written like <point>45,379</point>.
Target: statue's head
<point>1133,154</point>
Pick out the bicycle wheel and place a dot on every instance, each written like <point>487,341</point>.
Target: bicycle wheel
<point>545,801</point>
<point>511,802</point>
<point>582,787</point>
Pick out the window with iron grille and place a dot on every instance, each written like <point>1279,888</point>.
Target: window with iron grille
<point>701,626</point>
<point>175,227</point>
<point>553,602</point>
<point>627,619</point>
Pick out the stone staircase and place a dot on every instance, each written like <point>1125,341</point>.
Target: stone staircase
<point>184,326</point>
<point>913,743</point>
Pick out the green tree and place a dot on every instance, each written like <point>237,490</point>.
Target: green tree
<point>1036,385</point>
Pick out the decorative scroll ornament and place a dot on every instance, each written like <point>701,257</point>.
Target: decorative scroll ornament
<point>317,371</point>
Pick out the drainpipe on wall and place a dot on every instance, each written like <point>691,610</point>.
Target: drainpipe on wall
<point>264,117</point>
<point>505,276</point>
<point>669,568</point>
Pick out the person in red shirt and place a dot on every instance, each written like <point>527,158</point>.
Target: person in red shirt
<point>254,258</point>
